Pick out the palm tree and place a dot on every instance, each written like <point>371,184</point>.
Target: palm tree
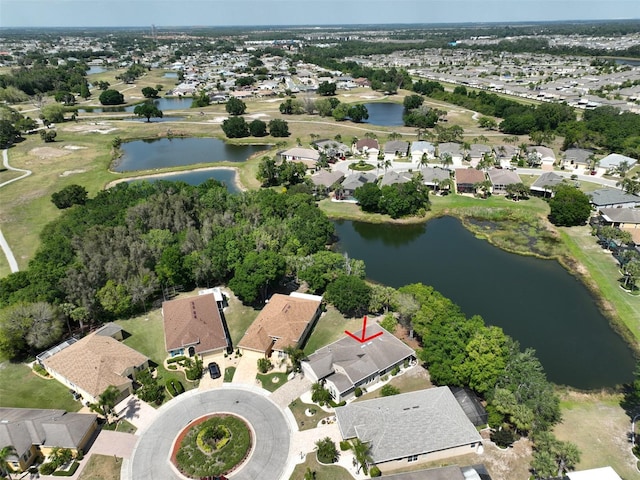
<point>362,455</point>
<point>446,159</point>
<point>5,453</point>
<point>623,168</point>
<point>424,160</point>
<point>107,400</point>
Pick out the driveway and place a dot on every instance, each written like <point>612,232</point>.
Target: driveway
<point>140,414</point>
<point>272,437</point>
<point>114,443</point>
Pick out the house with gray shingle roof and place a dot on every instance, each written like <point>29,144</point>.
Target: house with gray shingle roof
<point>544,183</point>
<point>327,179</point>
<point>35,432</point>
<point>355,180</point>
<point>500,178</point>
<point>613,198</point>
<point>454,149</point>
<point>410,428</point>
<point>578,156</point>
<point>392,177</point>
<point>432,176</point>
<point>396,148</point>
<point>347,363</point>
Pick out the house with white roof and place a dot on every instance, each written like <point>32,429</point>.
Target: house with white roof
<point>613,161</point>
<point>418,149</point>
<point>604,473</point>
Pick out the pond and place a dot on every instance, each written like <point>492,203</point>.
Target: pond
<point>172,152</point>
<point>94,69</point>
<point>196,177</point>
<point>385,113</point>
<point>537,302</point>
<point>171,75</point>
<point>163,103</point>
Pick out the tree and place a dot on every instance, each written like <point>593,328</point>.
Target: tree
<point>389,390</point>
<point>487,355</point>
<point>115,299</point>
<point>5,453</point>
<point>48,136</point>
<point>278,128</point>
<point>65,97</point>
<point>553,458</point>
<point>111,97</point>
<point>53,113</point>
<point>446,159</point>
<point>147,110</point>
<point>319,394</point>
<point>258,128</point>
<point>411,102</point>
<point>291,107</point>
<point>8,134</point>
<point>295,356</point>
<point>517,191</point>
<point>235,106</point>
<point>150,92</point>
<point>361,452</point>
<point>368,196</point>
<point>488,123</point>
<point>326,451</point>
<point>235,127</point>
<point>340,112</point>
<point>349,294</point>
<point>267,172</point>
<point>107,401</point>
<point>327,89</point>
<point>264,365</point>
<point>631,273</point>
<point>201,100</point>
<point>257,273</point>
<point>358,113</point>
<point>102,85</point>
<point>569,206</point>
<point>69,196</point>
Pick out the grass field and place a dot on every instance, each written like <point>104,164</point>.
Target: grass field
<point>21,388</point>
<point>101,467</point>
<point>322,472</point>
<point>238,317</point>
<point>305,422</point>
<point>600,428</point>
<point>268,382</point>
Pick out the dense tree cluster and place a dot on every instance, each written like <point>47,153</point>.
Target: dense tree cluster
<point>119,250</point>
<point>42,79</point>
<point>569,206</point>
<point>111,97</point>
<point>396,200</point>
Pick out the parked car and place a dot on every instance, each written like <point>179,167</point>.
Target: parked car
<point>214,370</point>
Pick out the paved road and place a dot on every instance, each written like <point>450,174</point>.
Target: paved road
<point>272,437</point>
<point>13,264</point>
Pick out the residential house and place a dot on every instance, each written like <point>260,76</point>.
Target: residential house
<point>544,183</point>
<point>433,176</point>
<point>367,146</point>
<point>410,428</point>
<point>545,155</point>
<point>355,180</point>
<point>194,326</point>
<point>578,157</point>
<point>626,219</point>
<point>467,178</point>
<point>327,179</point>
<point>285,321</point>
<point>391,177</point>
<point>333,149</point>
<point>500,178</point>
<point>477,152</point>
<point>611,163</point>
<point>89,365</point>
<point>613,198</point>
<point>451,472</point>
<point>396,148</point>
<point>418,149</point>
<point>504,154</point>
<point>35,432</point>
<point>308,156</point>
<point>453,149</point>
<point>603,473</point>
<point>347,364</point>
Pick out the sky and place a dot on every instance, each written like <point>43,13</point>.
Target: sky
<point>125,13</point>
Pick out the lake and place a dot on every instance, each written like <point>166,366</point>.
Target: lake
<point>163,103</point>
<point>224,175</point>
<point>385,113</point>
<point>172,152</point>
<point>537,302</point>
<point>94,69</point>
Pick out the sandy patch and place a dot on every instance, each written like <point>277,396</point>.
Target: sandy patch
<point>74,147</point>
<point>66,173</point>
<point>95,127</point>
<point>369,97</point>
<point>217,120</point>
<point>48,152</point>
<point>257,115</point>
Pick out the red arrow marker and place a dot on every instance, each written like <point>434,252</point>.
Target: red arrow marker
<point>364,332</point>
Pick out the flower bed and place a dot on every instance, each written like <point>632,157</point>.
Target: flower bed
<point>212,445</point>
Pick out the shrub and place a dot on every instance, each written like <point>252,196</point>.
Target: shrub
<point>357,392</point>
<point>47,468</point>
<point>327,452</point>
<point>39,369</point>
<point>67,473</point>
<point>375,471</point>
<point>172,367</point>
<point>179,358</point>
<point>389,390</point>
<point>264,365</point>
<point>395,371</point>
<point>345,445</point>
<point>503,438</point>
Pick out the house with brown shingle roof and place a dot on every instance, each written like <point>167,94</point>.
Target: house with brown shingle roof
<point>93,363</point>
<point>466,178</point>
<point>194,326</point>
<point>285,321</point>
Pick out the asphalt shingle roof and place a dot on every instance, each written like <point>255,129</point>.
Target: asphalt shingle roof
<point>612,196</point>
<point>412,423</point>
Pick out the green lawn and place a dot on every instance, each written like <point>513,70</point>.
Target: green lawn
<point>228,374</point>
<point>603,274</point>
<point>146,335</point>
<point>239,317</point>
<point>330,327</point>
<point>20,387</point>
<point>322,472</point>
<point>304,422</point>
<point>122,426</point>
<point>268,383</point>
<point>415,379</point>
